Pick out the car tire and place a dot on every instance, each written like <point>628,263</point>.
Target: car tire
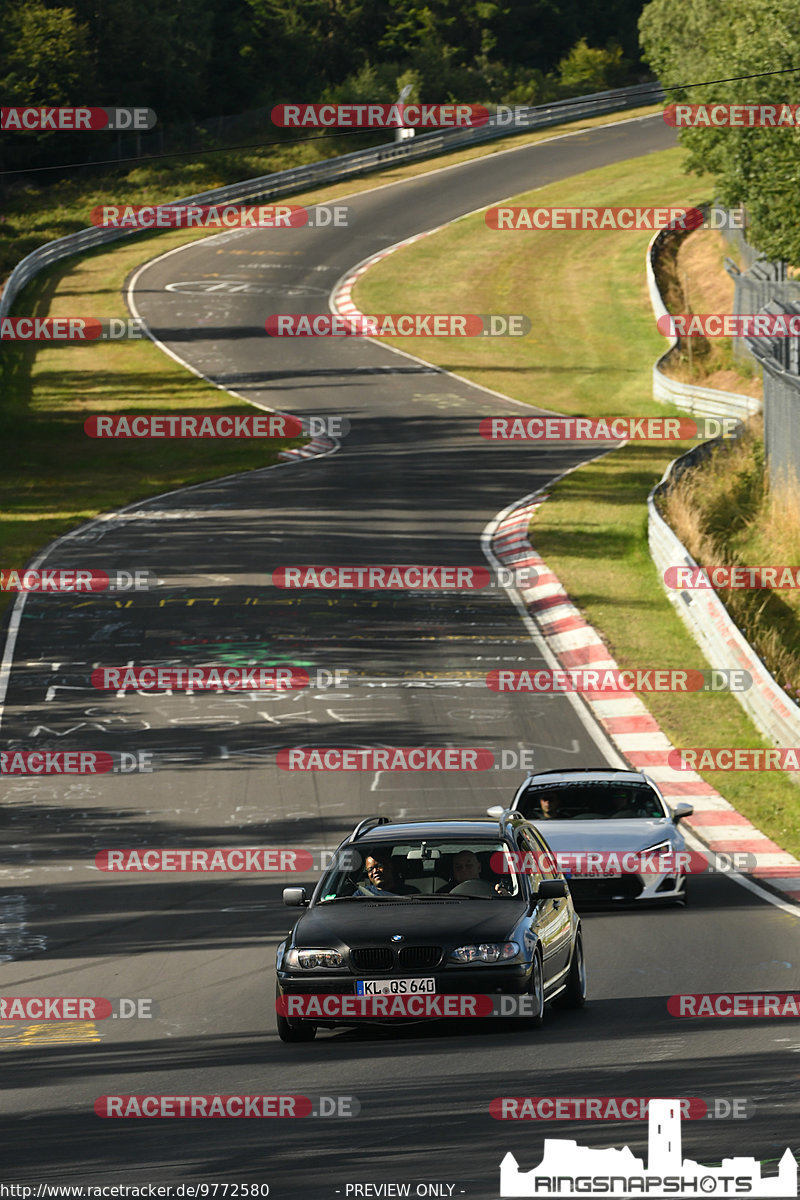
<point>293,1031</point>
<point>537,992</point>
<point>574,995</point>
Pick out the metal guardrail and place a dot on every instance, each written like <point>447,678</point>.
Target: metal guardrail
<point>345,166</point>
<point>690,397</point>
<point>701,610</point>
<point>775,714</point>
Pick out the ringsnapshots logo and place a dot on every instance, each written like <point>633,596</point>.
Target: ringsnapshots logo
<point>403,758</point>
<point>471,325</point>
<point>72,330</point>
<point>570,1170</point>
<point>402,578</point>
<point>607,429</point>
<point>222,216</point>
<point>619,681</point>
<point>199,1106</point>
<point>615,1108</point>
<point>75,120</point>
<point>379,116</point>
<point>71,580</point>
<point>215,678</point>
<point>722,325</point>
<point>732,116</point>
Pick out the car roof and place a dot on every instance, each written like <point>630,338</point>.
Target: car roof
<point>450,829</point>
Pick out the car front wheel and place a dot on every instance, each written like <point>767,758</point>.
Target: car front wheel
<point>293,1031</point>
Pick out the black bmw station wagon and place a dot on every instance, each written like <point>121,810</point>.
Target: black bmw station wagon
<point>430,909</point>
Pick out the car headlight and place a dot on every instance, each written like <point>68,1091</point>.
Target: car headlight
<point>656,855</point>
<point>313,960</point>
<point>659,850</point>
<point>486,952</point>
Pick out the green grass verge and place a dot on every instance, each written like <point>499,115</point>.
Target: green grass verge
<point>54,477</point>
<point>590,353</point>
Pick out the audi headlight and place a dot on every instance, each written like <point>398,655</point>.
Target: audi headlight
<point>313,960</point>
<point>486,952</point>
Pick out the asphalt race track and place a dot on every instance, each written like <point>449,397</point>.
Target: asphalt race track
<point>412,483</point>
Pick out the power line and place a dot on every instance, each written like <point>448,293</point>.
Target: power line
<point>648,89</point>
<point>102,162</point>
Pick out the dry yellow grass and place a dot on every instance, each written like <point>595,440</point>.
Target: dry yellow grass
<point>692,277</point>
<point>724,514</point>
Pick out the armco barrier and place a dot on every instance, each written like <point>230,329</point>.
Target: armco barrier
<point>701,610</point>
<point>704,614</point>
<point>690,397</point>
<point>334,170</point>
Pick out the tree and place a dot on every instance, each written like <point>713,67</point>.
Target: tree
<point>151,54</point>
<point>587,70</point>
<point>44,57</point>
<point>759,168</point>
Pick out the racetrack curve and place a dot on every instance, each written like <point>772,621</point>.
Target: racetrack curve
<point>411,483</point>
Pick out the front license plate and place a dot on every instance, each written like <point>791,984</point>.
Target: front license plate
<point>394,987</point>
<point>599,874</point>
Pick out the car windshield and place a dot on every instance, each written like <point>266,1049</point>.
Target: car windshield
<point>425,869</point>
<point>590,800</point>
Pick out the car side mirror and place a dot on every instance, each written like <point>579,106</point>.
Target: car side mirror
<point>495,811</point>
<point>295,897</point>
<point>680,811</point>
<point>550,889</point>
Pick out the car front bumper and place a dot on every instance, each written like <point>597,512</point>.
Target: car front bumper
<point>626,889</point>
<point>513,979</point>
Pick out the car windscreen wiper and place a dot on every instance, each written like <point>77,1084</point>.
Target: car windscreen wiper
<point>436,896</point>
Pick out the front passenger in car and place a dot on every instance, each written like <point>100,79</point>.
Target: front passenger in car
<point>466,867</point>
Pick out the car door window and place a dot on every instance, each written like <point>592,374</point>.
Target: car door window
<point>530,858</point>
<point>546,859</point>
